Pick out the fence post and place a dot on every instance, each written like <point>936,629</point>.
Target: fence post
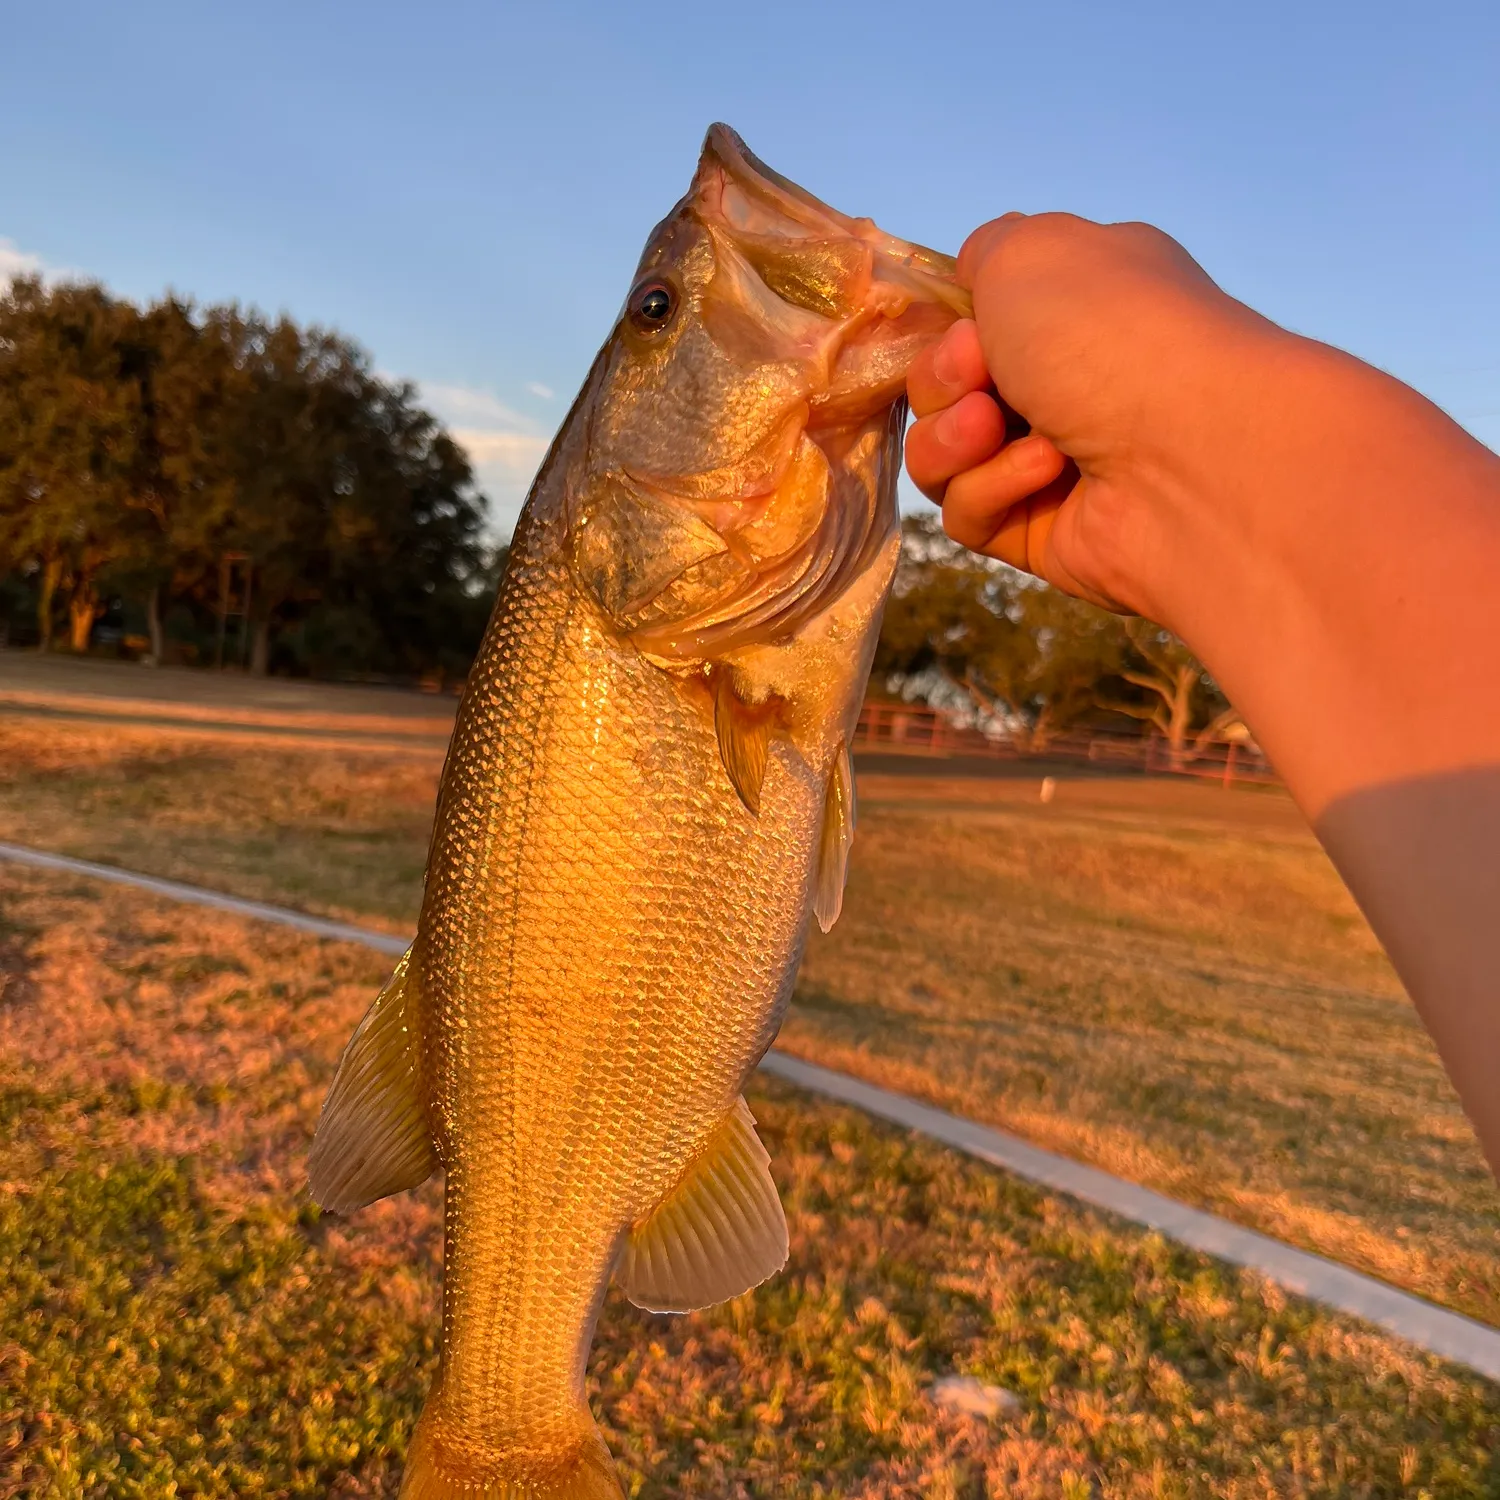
<point>1229,765</point>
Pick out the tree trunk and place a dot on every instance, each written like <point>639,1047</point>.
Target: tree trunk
<point>51,575</point>
<point>260,649</point>
<point>153,626</point>
<point>1181,716</point>
<point>83,610</point>
<point>1041,734</point>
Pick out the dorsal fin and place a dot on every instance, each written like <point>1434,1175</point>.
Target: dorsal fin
<point>373,1139</point>
<point>834,840</point>
<point>744,737</point>
<point>718,1233</point>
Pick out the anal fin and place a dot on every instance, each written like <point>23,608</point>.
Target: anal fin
<point>834,841</point>
<point>718,1233</point>
<point>373,1138</point>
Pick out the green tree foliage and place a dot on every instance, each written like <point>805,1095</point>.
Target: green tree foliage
<point>139,448</point>
<point>71,442</point>
<point>960,627</point>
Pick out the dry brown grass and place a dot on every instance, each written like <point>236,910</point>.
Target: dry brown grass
<point>1165,980</point>
<point>178,1320</point>
<point>1202,1010</point>
<point>342,832</point>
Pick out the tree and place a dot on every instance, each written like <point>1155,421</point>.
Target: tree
<point>1067,651</point>
<point>1018,652</point>
<point>944,603</point>
<point>71,449</point>
<point>1185,704</point>
<point>137,449</point>
<point>965,628</point>
<point>191,388</point>
<point>345,493</point>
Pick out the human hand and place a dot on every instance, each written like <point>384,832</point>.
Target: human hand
<point>1124,362</point>
<point>1321,536</point>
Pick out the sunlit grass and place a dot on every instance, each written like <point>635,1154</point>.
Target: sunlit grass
<point>340,832</point>
<point>176,1318</point>
<point>1205,1012</point>
<point>1165,980</point>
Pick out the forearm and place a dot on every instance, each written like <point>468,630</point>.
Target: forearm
<point>1349,602</point>
<point>1345,582</point>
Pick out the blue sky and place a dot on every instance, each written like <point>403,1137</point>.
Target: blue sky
<point>465,187</point>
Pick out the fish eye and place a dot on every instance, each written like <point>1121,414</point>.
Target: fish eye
<point>652,306</point>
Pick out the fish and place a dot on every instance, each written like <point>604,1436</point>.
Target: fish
<point>647,799</point>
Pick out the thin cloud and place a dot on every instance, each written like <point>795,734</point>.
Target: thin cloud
<point>505,446</point>
<point>538,389</point>
<point>15,261</point>
<point>462,405</point>
<point>515,453</point>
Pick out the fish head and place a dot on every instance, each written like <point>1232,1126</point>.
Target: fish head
<point>745,417</point>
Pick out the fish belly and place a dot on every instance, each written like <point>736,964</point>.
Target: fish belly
<point>607,944</point>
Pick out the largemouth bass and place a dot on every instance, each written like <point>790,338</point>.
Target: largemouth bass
<point>647,794</point>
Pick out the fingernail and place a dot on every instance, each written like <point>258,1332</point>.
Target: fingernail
<point>944,362</point>
<point>945,424</point>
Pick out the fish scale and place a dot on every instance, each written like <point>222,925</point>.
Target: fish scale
<point>623,836</point>
<point>646,796</point>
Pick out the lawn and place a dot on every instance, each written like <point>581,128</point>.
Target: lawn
<point>175,1317</point>
<point>342,832</point>
<point>1165,980</point>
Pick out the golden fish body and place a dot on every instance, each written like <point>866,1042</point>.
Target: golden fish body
<point>646,795</point>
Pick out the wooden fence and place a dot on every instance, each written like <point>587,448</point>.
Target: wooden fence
<point>908,729</point>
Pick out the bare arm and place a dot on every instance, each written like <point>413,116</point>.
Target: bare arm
<point>1323,537</point>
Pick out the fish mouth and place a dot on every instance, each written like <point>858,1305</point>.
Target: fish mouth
<point>765,197</point>
<point>803,502</point>
<point>879,300</point>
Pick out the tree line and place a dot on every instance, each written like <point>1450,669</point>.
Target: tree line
<point>964,632</point>
<point>171,463</point>
<point>166,464</point>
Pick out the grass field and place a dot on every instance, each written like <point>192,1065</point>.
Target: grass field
<point>1165,980</point>
<point>175,1317</point>
<point>339,832</point>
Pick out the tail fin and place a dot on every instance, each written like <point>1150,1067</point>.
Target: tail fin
<point>584,1472</point>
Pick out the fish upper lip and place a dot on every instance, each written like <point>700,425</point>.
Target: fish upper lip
<point>742,165</point>
<point>924,273</point>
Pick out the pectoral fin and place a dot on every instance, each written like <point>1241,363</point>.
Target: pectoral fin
<point>718,1233</point>
<point>744,737</point>
<point>834,841</point>
<point>373,1139</point>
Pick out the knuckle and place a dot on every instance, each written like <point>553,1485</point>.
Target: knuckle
<point>1039,247</point>
<point>1143,238</point>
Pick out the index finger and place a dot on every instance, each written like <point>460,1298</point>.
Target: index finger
<point>947,371</point>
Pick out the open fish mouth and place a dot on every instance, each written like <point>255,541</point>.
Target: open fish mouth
<point>746,417</point>
<point>887,298</point>
<point>800,322</point>
<point>757,200</point>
